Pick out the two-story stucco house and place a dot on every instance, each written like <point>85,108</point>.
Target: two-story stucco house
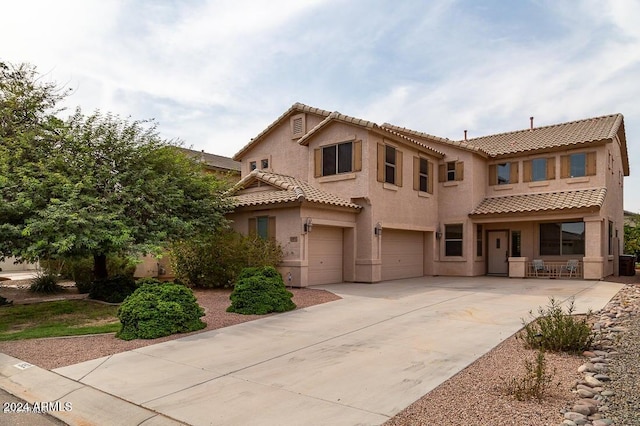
<point>351,200</point>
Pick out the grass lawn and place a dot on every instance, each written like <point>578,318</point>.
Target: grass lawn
<point>54,319</point>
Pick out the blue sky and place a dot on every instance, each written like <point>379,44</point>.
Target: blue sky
<point>215,73</point>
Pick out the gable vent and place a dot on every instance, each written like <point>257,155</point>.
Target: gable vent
<point>298,126</point>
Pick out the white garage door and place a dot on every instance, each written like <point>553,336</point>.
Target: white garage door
<point>325,255</point>
<point>402,254</point>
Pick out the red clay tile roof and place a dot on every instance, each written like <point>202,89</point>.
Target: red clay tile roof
<point>284,189</point>
<point>336,116</point>
<point>540,202</point>
<point>557,135</point>
<point>430,138</point>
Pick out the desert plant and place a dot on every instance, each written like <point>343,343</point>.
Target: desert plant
<point>157,310</point>
<point>113,290</point>
<point>260,290</point>
<point>45,282</point>
<point>216,260</point>
<point>557,330</point>
<point>536,381</point>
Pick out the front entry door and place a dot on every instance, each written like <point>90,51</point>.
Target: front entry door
<point>498,252</point>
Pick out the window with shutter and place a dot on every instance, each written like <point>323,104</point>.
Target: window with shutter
<point>340,158</point>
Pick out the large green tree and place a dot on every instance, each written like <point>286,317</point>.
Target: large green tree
<point>93,185</point>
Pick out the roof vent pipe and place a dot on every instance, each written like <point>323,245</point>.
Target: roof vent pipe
<point>531,125</point>
<point>465,135</point>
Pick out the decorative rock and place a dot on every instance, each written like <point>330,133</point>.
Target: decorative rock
<point>584,393</point>
<point>587,401</point>
<point>602,422</point>
<point>575,417</point>
<point>583,409</point>
<point>587,366</point>
<point>588,354</point>
<point>568,422</point>
<point>602,377</point>
<point>592,381</point>
<point>607,393</point>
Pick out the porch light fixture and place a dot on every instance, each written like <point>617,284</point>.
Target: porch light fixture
<point>377,231</point>
<point>307,225</point>
<point>438,233</point>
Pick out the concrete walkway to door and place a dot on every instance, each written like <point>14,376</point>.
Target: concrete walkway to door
<point>359,360</point>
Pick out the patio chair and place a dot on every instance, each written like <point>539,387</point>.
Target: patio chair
<point>571,267</point>
<point>538,267</point>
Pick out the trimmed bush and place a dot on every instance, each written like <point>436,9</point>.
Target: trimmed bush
<point>259,291</point>
<point>157,310</point>
<point>555,330</point>
<point>45,282</point>
<point>113,290</point>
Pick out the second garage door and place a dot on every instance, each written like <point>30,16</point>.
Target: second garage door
<point>325,255</point>
<point>402,254</point>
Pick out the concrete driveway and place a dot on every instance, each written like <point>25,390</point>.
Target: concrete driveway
<point>356,361</point>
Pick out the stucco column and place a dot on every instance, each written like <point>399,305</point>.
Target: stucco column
<point>593,260</point>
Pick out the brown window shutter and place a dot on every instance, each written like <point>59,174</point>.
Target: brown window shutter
<point>416,173</point>
<point>565,163</point>
<point>442,172</point>
<point>493,175</point>
<point>271,230</point>
<point>430,177</point>
<point>253,226</point>
<point>526,171</point>
<point>317,162</point>
<point>591,163</point>
<point>357,156</point>
<point>398,168</point>
<point>380,162</point>
<point>513,178</point>
<point>551,168</point>
<point>459,170</point>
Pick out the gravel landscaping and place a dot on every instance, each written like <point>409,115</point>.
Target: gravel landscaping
<point>597,388</point>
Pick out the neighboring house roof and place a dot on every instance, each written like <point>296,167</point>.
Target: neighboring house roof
<point>541,202</point>
<point>213,161</point>
<point>295,109</point>
<point>558,135</point>
<point>336,116</point>
<point>285,189</point>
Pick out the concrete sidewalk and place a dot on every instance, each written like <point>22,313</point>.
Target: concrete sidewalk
<point>359,360</point>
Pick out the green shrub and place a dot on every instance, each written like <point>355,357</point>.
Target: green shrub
<point>556,330</point>
<point>216,260</point>
<point>157,310</point>
<point>113,290</point>
<point>147,280</point>
<point>45,282</point>
<point>260,290</point>
<point>535,383</point>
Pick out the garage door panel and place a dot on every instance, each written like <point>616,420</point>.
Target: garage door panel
<point>325,255</point>
<point>402,254</point>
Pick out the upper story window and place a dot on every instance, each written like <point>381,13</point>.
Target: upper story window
<point>451,171</point>
<point>252,166</point>
<point>264,164</point>
<point>389,165</point>
<point>578,164</point>
<point>503,173</point>
<point>422,175</point>
<point>339,158</point>
<point>539,169</point>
